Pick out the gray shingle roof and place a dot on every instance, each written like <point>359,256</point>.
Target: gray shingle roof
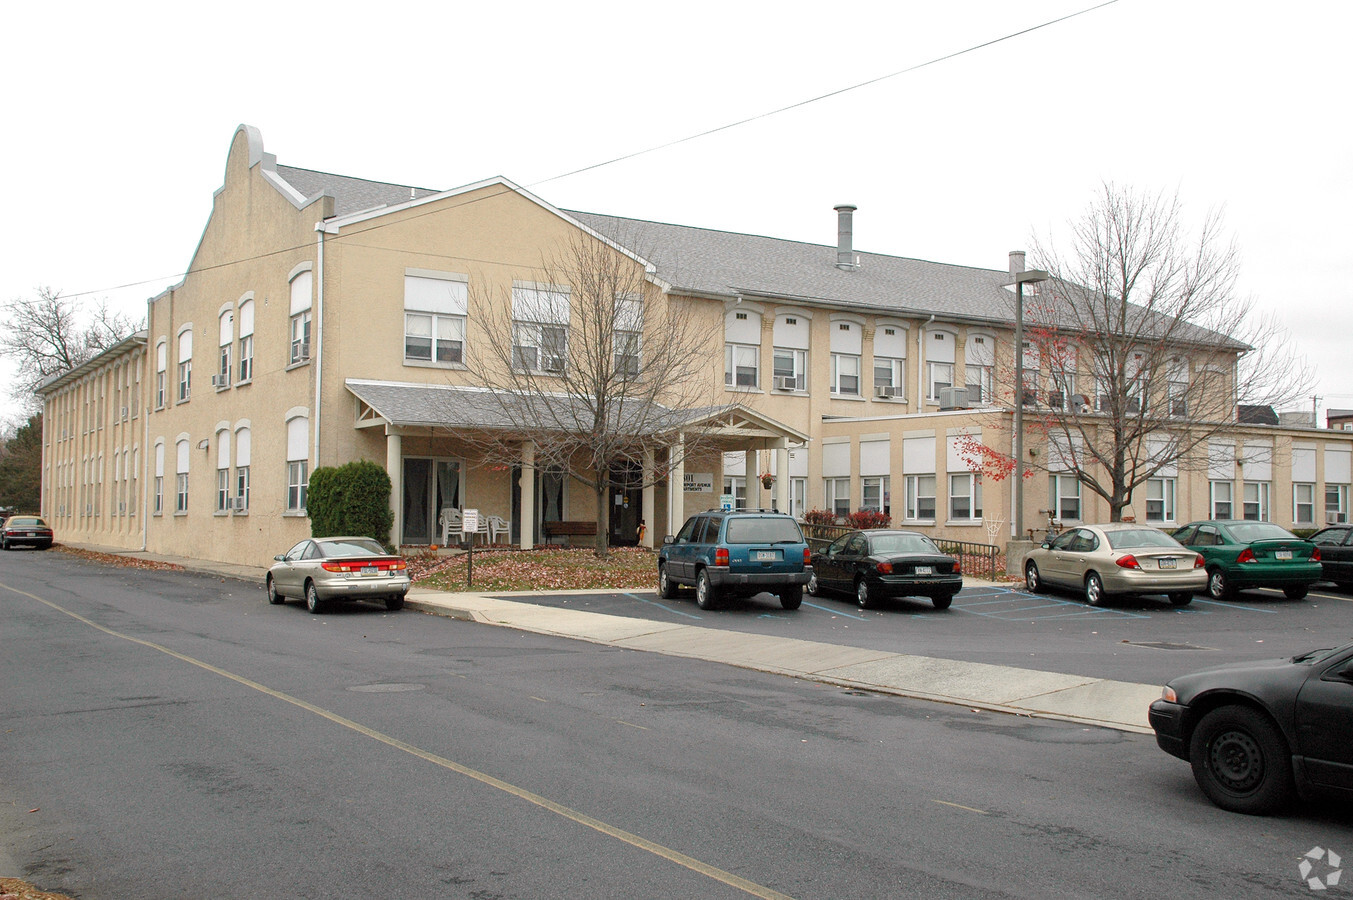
<point>351,195</point>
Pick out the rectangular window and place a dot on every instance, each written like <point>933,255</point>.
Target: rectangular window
<point>246,357</point>
<point>626,344</point>
<point>1160,493</point>
<point>875,494</point>
<point>1336,503</point>
<point>845,375</point>
<point>222,490</point>
<point>185,379</point>
<point>1222,495</point>
<point>790,368</point>
<point>432,337</point>
<point>979,381</point>
<point>965,498</point>
<point>224,371</point>
<point>159,494</point>
<point>539,348</point>
<point>890,377</point>
<point>1303,504</point>
<point>300,337</point>
<point>297,484</point>
<point>921,498</point>
<point>798,497</point>
<point>836,495</point>
<point>939,375</point>
<point>1064,496</point>
<point>737,486</point>
<point>181,495</point>
<point>242,488</point>
<point>741,365</point>
<point>1256,501</point>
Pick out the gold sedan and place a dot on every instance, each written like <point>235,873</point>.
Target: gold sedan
<point>1119,558</point>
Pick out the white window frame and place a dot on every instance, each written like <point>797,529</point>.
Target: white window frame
<point>1064,488</point>
<point>840,362</point>
<point>1160,495</point>
<point>836,495</point>
<point>246,317</point>
<point>741,366</point>
<point>242,487</point>
<point>896,375</point>
<point>965,486</point>
<point>737,486</point>
<point>798,497</point>
<point>300,338</point>
<point>445,338</point>
<point>223,490</point>
<point>798,366</point>
<point>985,382</point>
<point>876,493</point>
<point>1259,502</point>
<point>298,484</point>
<point>934,371</point>
<point>920,494</point>
<point>1299,505</point>
<point>1338,493</point>
<point>1219,493</point>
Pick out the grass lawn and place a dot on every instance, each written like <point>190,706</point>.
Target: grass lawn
<point>626,568</point>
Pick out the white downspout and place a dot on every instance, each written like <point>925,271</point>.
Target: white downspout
<point>921,386</point>
<point>319,340</point>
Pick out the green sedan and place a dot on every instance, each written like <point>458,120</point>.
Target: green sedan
<point>1243,554</point>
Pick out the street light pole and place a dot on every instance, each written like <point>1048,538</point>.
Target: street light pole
<point>1032,276</point>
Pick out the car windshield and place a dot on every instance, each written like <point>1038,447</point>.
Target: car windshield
<point>1316,656</point>
<point>902,543</point>
<point>768,530</point>
<point>351,547</point>
<point>1261,531</point>
<point>1139,538</point>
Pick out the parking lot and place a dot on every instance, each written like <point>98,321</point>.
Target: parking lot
<point>1131,639</point>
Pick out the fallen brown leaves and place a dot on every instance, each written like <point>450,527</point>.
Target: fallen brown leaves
<point>14,889</point>
<point>117,559</point>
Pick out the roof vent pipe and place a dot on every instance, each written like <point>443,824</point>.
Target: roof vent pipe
<point>845,249</point>
<point>1016,262</point>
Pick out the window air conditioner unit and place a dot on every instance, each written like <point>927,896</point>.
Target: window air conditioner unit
<point>786,383</point>
<point>300,351</point>
<point>124,412</point>
<point>1056,399</point>
<point>220,381</point>
<point>1081,404</point>
<point>238,503</point>
<point>1134,405</point>
<point>1333,518</point>
<point>888,391</point>
<point>552,364</point>
<point>953,398</point>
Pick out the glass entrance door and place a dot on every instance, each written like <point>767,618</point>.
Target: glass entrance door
<point>430,485</point>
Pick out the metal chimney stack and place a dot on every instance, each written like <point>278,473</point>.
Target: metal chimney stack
<point>1016,262</point>
<point>845,243</point>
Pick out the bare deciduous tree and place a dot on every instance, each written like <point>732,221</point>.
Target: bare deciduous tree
<point>598,367</point>
<point>47,335</point>
<point>1143,346</point>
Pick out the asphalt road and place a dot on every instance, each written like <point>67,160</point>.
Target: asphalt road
<point>168,735</point>
<point>1141,640</point>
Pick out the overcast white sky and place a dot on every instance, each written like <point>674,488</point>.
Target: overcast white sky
<point>119,117</point>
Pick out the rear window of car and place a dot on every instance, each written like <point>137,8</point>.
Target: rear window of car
<point>770,530</point>
<point>351,548</point>
<point>903,543</point>
<point>26,522</point>
<point>1261,531</point>
<point>1140,538</point>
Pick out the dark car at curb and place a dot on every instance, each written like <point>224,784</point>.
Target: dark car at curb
<point>1336,554</point>
<point>1258,733</point>
<point>883,563</point>
<point>25,531</point>
<point>736,553</point>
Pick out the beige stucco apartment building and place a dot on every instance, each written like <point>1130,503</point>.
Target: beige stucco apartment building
<point>325,319</point>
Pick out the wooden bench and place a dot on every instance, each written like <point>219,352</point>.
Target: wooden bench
<point>569,529</point>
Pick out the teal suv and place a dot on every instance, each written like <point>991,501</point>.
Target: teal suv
<point>738,553</point>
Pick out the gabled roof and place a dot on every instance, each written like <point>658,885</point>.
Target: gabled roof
<point>351,195</point>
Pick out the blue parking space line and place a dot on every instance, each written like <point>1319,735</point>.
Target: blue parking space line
<point>835,612</point>
<point>661,606</point>
<point>1234,606</point>
<point>1003,593</point>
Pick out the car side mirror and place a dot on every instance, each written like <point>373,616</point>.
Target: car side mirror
<point>280,557</point>
<point>1046,545</point>
<point>669,539</point>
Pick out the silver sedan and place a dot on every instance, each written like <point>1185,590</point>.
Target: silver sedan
<point>338,568</point>
<point>1119,558</point>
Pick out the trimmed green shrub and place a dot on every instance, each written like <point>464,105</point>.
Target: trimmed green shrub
<point>353,498</point>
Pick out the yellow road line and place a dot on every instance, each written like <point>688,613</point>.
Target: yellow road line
<point>959,806</point>
<point>634,840</point>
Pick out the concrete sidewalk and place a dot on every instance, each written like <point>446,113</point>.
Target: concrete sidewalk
<point>1029,692</point>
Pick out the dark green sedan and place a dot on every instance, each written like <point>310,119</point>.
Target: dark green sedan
<point>1243,554</point>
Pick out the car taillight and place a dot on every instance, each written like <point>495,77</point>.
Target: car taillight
<point>1315,555</point>
<point>720,556</point>
<point>807,557</point>
<point>1129,562</point>
<point>1246,555</point>
<point>398,566</point>
<point>1198,561</point>
<point>958,567</point>
<point>884,568</point>
<point>335,567</point>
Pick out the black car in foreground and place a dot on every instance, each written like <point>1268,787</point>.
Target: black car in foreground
<point>1256,733</point>
<point>881,563</point>
<point>25,531</point>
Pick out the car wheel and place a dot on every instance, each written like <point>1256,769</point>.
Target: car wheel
<point>706,595</point>
<point>792,596</point>
<point>813,587</point>
<point>1033,582</point>
<point>274,597</point>
<point>4,544</point>
<point>942,601</point>
<point>394,602</point>
<point>862,596</point>
<point>1094,590</point>
<point>312,601</point>
<point>667,588</point>
<point>1219,586</point>
<point>1241,761</point>
<point>1296,593</point>
<point>1181,598</point>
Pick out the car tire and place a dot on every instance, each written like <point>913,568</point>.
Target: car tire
<point>312,601</point>
<point>1219,586</point>
<point>1033,581</point>
<point>862,595</point>
<point>394,602</point>
<point>706,594</point>
<point>1296,593</point>
<point>813,587</point>
<point>792,597</point>
<point>1094,590</point>
<point>1241,761</point>
<point>4,544</point>
<point>274,597</point>
<point>1181,598</point>
<point>942,601</point>
<point>667,588</point>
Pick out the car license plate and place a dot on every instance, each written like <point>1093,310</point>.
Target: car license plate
<point>767,555</point>
<point>1283,554</point>
<point>370,570</point>
<point>925,570</point>
<point>1169,562</point>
